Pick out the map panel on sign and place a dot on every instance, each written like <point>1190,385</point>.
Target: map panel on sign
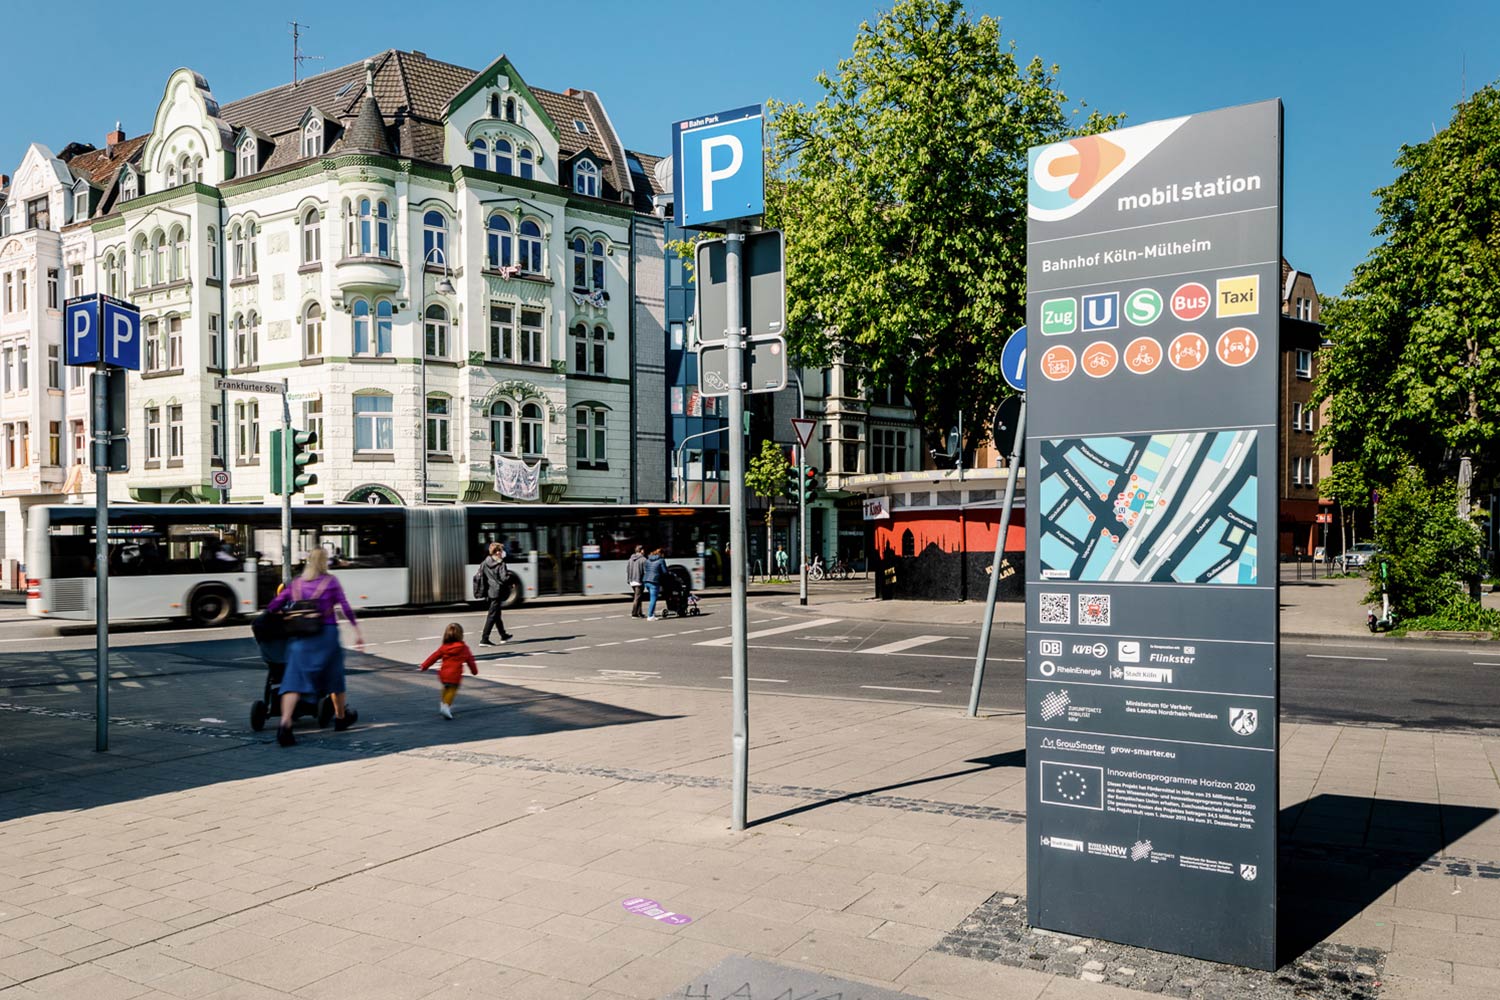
<point>1176,508</point>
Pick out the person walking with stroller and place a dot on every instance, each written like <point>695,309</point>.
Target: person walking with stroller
<point>635,567</point>
<point>651,574</point>
<point>496,577</point>
<point>315,657</point>
<point>455,654</point>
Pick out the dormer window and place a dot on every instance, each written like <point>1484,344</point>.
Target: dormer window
<point>586,178</point>
<point>510,109</point>
<point>245,163</point>
<point>312,138</point>
<point>494,105</point>
<point>129,188</point>
<point>580,126</point>
<point>80,204</point>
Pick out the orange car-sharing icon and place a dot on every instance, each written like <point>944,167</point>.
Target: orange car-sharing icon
<point>1237,346</point>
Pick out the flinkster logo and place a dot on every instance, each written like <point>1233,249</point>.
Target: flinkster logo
<point>1067,177</point>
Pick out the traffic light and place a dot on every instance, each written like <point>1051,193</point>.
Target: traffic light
<point>810,484</point>
<point>295,454</point>
<point>793,483</point>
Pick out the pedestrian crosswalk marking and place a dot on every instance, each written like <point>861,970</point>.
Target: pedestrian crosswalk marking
<point>901,645</point>
<point>761,633</point>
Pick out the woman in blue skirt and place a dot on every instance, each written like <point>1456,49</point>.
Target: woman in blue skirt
<point>315,663</point>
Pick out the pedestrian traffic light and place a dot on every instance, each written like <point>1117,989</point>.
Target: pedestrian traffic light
<point>810,484</point>
<point>793,483</point>
<point>292,453</point>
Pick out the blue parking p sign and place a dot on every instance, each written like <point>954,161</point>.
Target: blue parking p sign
<point>97,328</point>
<point>718,167</point>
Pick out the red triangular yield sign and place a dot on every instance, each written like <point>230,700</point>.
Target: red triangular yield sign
<point>803,428</point>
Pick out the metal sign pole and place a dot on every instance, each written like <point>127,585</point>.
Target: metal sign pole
<point>989,603</point>
<point>101,558</point>
<point>802,520</point>
<point>286,485</point>
<point>737,615</point>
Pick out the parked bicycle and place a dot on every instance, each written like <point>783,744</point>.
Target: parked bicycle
<point>814,569</point>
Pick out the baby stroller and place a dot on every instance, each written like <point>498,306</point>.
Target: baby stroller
<point>271,638</point>
<point>677,592</point>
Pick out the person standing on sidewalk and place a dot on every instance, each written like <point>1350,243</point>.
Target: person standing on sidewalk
<point>497,584</point>
<point>455,654</point>
<point>651,575</point>
<point>315,657</point>
<point>634,575</point>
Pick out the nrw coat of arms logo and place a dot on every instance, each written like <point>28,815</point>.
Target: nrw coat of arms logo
<point>1243,721</point>
<point>1248,872</point>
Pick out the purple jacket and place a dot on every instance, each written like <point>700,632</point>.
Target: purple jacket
<point>326,592</point>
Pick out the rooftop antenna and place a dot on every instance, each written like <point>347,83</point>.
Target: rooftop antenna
<point>297,57</point>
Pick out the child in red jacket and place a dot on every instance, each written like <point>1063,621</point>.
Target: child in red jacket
<point>454,653</point>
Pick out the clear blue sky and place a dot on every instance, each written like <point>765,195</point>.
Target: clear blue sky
<point>1359,77</point>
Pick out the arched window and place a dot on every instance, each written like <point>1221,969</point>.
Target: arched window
<point>312,138</point>
<point>530,247</point>
<point>128,186</point>
<point>586,178</point>
<point>581,348</point>
<point>245,162</point>
<point>596,255</point>
<point>179,254</point>
<point>237,250</point>
<point>510,109</point>
<point>312,236</point>
<point>580,264</point>
<point>494,105</point>
<point>252,257</point>
<point>142,275</point>
<point>597,351</point>
<point>171,175</point>
<point>434,238</point>
<point>245,349</point>
<point>528,171</point>
<point>435,332</point>
<point>589,435</point>
<point>438,408</point>
<point>498,249</point>
<point>197,168</point>
<point>383,314</point>
<point>366,227</point>
<point>503,162</point>
<point>361,314</point>
<point>185,169</point>
<point>213,252</point>
<point>481,154</point>
<point>531,429</point>
<point>252,333</point>
<point>503,427</point>
<point>382,229</point>
<point>161,263</point>
<point>374,422</point>
<point>312,331</point>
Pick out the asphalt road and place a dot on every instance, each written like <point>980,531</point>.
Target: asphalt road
<point>1373,681</point>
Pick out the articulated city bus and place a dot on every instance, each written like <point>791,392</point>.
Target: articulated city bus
<point>212,563</point>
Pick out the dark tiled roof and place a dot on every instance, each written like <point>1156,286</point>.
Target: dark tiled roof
<point>367,134</point>
<point>565,109</point>
<point>101,167</point>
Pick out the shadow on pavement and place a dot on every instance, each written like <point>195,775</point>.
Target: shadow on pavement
<point>180,719</point>
<point>1341,853</point>
<point>1011,758</point>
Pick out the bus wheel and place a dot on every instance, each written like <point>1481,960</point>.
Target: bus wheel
<point>515,594</point>
<point>210,606</point>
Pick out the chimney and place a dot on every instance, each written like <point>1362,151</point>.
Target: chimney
<point>114,138</point>
<point>572,92</point>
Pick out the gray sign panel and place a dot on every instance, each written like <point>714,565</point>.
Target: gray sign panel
<point>762,287</point>
<point>1153,270</point>
<point>764,366</point>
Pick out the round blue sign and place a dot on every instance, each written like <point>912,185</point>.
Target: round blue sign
<point>1013,360</point>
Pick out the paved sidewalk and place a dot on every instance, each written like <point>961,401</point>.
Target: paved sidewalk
<point>493,856</point>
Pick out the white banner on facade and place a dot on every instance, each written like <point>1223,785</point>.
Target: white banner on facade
<point>517,480</point>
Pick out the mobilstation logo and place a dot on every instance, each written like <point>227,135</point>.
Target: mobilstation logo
<point>1067,177</point>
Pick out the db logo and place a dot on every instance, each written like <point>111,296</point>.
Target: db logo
<point>1058,363</point>
<point>1237,346</point>
<point>1143,355</point>
<point>1188,351</point>
<point>1190,301</point>
<point>1099,359</point>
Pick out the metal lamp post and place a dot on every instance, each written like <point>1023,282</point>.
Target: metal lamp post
<point>677,466</point>
<point>444,287</point>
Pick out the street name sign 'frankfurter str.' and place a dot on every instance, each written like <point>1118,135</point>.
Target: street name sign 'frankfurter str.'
<point>1153,302</point>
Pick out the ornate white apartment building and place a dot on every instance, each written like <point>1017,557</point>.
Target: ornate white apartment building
<point>437,261</point>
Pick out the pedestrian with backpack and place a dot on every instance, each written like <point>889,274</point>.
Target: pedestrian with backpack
<point>651,575</point>
<point>635,569</point>
<point>455,655</point>
<point>492,583</point>
<point>315,658</point>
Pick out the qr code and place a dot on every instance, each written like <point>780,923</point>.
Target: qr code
<point>1055,610</point>
<point>1093,609</point>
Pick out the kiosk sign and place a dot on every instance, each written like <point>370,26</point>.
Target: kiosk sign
<point>1153,263</point>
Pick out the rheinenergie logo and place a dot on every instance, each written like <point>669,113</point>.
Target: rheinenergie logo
<point>1067,177</point>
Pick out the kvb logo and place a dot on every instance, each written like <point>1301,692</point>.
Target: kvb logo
<point>1067,177</point>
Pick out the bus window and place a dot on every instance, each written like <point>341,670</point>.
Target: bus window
<point>366,545</point>
<point>518,538</point>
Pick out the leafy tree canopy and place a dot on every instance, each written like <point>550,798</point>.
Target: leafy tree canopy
<point>1431,552</point>
<point>1413,372</point>
<point>902,194</point>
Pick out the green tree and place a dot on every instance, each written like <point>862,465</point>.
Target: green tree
<point>1412,373</point>
<point>1430,551</point>
<point>766,478</point>
<point>902,194</point>
<point>1347,487</point>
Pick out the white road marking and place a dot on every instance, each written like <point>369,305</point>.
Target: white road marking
<point>794,627</point>
<point>395,642</point>
<point>603,644</point>
<point>1479,664</point>
<point>759,680</point>
<point>901,645</point>
<point>1331,656</point>
<point>879,687</point>
<point>577,649</point>
<point>644,638</point>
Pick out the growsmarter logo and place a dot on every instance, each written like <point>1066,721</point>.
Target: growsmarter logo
<point>1067,177</point>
